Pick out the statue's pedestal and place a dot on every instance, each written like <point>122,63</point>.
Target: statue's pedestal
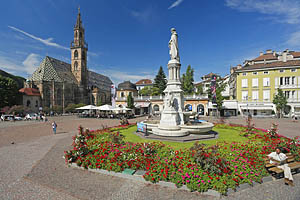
<point>172,115</point>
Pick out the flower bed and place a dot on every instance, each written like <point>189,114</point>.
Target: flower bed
<point>219,167</point>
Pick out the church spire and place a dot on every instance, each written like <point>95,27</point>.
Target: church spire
<point>78,21</point>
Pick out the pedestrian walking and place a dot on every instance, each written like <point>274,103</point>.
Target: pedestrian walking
<point>54,126</point>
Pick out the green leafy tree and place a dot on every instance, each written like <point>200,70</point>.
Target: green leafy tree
<point>146,91</point>
<point>155,91</point>
<point>280,101</point>
<point>199,89</point>
<point>70,108</point>
<point>219,97</point>
<point>130,101</point>
<point>57,109</point>
<point>188,81</point>
<point>220,87</point>
<point>99,103</point>
<point>160,80</point>
<point>8,92</point>
<point>16,109</point>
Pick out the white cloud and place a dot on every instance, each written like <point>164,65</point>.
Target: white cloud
<point>31,63</point>
<point>47,42</point>
<point>283,11</point>
<point>294,40</point>
<point>175,4</point>
<point>27,67</point>
<point>143,15</point>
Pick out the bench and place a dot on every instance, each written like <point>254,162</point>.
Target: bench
<point>277,172</point>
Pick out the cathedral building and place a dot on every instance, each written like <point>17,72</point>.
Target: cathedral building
<point>61,83</point>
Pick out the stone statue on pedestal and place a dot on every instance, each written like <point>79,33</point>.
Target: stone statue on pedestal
<point>173,46</point>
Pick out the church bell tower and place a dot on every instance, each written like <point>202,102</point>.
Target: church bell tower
<point>79,54</point>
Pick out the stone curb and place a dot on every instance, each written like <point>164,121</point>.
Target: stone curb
<point>141,179</point>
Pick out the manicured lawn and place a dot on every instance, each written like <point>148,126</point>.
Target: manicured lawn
<point>227,135</point>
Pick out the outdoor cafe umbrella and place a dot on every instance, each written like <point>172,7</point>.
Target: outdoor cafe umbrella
<point>88,107</point>
<point>105,107</point>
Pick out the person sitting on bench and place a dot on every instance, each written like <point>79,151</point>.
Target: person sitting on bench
<point>279,159</point>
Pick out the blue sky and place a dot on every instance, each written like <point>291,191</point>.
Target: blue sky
<point>128,39</point>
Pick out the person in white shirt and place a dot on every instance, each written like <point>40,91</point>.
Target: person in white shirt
<point>279,159</point>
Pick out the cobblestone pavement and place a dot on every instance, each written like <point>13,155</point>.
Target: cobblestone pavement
<point>33,168</point>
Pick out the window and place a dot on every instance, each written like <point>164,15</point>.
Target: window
<point>266,94</point>
<point>293,70</point>
<point>28,103</point>
<point>156,108</point>
<point>244,95</point>
<point>36,103</point>
<point>244,74</point>
<point>122,94</point>
<point>287,94</point>
<point>75,54</point>
<point>254,82</point>
<point>254,73</point>
<point>244,83</point>
<point>293,80</point>
<point>281,80</point>
<point>293,94</point>
<point>255,95</point>
<point>266,72</point>
<point>287,80</point>
<point>75,65</point>
<point>282,70</point>
<point>266,82</point>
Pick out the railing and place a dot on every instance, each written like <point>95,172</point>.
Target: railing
<point>148,98</point>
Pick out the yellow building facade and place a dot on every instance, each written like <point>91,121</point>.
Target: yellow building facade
<point>258,80</point>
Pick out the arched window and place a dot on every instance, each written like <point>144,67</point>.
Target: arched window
<point>36,103</point>
<point>80,35</point>
<point>75,65</point>
<point>188,107</point>
<point>122,94</point>
<point>75,34</point>
<point>75,54</point>
<point>156,107</point>
<point>28,103</point>
<point>200,109</point>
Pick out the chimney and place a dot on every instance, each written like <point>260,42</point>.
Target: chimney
<point>261,53</point>
<point>239,66</point>
<point>269,51</point>
<point>284,56</point>
<point>274,53</point>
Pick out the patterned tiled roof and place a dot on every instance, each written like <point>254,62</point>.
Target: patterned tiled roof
<point>100,81</point>
<point>52,69</point>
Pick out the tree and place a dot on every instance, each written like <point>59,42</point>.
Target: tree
<point>188,81</point>
<point>130,101</point>
<point>280,101</point>
<point>16,109</point>
<point>160,80</point>
<point>199,89</point>
<point>220,87</point>
<point>146,91</point>
<point>99,103</point>
<point>8,91</point>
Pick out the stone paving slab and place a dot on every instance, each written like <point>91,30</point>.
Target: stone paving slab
<point>53,172</point>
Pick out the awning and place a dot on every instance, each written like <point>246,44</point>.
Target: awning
<point>141,104</point>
